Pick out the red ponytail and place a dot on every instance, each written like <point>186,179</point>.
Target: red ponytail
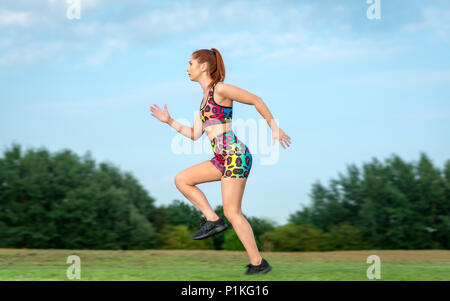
<point>214,59</point>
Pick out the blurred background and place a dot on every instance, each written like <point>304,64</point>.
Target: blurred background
<point>362,91</point>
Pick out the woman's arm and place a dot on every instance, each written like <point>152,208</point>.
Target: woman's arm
<point>243,96</point>
<point>197,130</point>
<point>182,129</point>
<point>191,133</point>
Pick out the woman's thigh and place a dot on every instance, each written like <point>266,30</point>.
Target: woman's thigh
<point>200,173</point>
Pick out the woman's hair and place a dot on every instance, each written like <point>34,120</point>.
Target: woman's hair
<point>215,63</point>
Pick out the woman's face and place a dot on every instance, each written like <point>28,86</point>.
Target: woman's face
<point>195,69</point>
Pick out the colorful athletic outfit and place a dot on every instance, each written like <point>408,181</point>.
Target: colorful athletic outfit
<point>231,156</point>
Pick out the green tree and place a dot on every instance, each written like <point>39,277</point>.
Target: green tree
<point>261,226</point>
<point>396,205</point>
<point>232,241</point>
<point>179,237</point>
<point>293,237</point>
<point>61,201</point>
<point>180,213</point>
<point>345,237</point>
<point>219,239</point>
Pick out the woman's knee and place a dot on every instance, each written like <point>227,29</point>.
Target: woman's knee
<point>180,180</point>
<point>231,213</point>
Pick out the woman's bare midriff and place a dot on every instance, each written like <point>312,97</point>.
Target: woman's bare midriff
<point>217,129</point>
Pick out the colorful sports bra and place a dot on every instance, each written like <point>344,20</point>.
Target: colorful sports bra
<point>213,113</point>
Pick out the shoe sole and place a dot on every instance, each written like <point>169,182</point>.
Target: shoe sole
<point>268,269</point>
<point>216,230</point>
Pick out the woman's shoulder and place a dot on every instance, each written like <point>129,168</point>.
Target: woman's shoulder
<point>220,85</point>
<point>221,96</point>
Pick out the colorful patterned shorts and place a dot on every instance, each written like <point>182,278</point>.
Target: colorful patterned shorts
<point>231,156</point>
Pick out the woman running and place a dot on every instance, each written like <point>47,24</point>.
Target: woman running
<point>232,159</point>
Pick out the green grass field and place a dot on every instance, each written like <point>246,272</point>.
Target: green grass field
<point>207,265</point>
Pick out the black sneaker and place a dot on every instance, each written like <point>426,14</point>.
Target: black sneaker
<point>262,268</point>
<point>209,228</point>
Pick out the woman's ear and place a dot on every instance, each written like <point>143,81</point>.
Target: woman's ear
<point>204,66</point>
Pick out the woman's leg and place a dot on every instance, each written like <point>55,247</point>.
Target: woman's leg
<point>232,192</point>
<point>186,180</point>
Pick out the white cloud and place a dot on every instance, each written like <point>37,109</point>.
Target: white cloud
<point>14,18</point>
<point>34,52</point>
<point>237,44</point>
<point>180,18</point>
<point>434,21</point>
<point>401,78</point>
<point>154,92</point>
<point>416,116</point>
<point>298,47</point>
<point>334,49</point>
<point>304,37</point>
<point>148,25</point>
<point>282,31</point>
<point>84,4</point>
<point>106,50</point>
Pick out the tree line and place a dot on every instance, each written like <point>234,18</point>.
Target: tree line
<point>64,201</point>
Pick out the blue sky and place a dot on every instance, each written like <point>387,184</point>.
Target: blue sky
<point>344,87</point>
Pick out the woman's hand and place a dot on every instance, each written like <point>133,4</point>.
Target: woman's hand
<point>281,136</point>
<point>162,115</point>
